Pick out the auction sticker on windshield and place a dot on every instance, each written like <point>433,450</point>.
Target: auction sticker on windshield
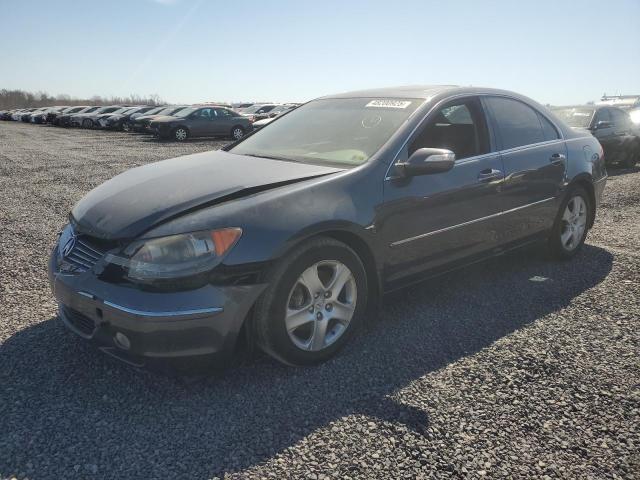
<point>388,104</point>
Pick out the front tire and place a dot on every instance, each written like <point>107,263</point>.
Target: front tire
<point>126,127</point>
<point>571,226</point>
<point>180,134</point>
<point>87,123</point>
<point>315,301</point>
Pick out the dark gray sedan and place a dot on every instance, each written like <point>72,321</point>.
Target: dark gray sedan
<point>290,237</point>
<point>613,128</point>
<point>201,122</point>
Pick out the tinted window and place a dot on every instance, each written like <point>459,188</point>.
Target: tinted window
<point>549,131</point>
<point>618,117</point>
<point>458,126</point>
<point>517,123</point>
<point>206,113</point>
<point>602,115</point>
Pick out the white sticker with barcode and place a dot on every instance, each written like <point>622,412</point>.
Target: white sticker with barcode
<point>385,103</point>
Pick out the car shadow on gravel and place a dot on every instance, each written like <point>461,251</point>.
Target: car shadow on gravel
<point>66,410</point>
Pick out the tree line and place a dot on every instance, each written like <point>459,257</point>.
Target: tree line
<point>21,99</point>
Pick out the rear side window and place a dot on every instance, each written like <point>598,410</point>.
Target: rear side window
<point>548,130</point>
<point>459,126</point>
<point>619,117</point>
<point>517,123</point>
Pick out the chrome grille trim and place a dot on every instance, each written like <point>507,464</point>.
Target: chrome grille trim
<point>84,255</point>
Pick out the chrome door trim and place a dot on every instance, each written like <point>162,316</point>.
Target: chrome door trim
<point>470,222</point>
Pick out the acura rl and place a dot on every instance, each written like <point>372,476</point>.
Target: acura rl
<point>290,236</point>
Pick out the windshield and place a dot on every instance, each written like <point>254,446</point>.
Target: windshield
<point>345,131</point>
<point>252,109</point>
<point>156,110</point>
<point>184,112</point>
<point>575,116</point>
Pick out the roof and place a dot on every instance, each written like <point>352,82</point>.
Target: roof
<point>426,92</point>
<point>408,91</point>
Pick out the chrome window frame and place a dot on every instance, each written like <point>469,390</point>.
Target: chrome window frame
<point>490,128</point>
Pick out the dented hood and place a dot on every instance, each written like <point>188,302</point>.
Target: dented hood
<point>141,198</point>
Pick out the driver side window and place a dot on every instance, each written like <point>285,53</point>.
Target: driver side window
<point>458,126</point>
<point>206,114</point>
<point>602,116</point>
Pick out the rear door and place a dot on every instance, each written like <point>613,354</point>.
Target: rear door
<point>431,220</point>
<point>224,121</point>
<point>535,162</point>
<point>622,133</point>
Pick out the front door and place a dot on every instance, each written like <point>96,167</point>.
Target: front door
<point>200,122</point>
<point>430,220</point>
<point>605,133</point>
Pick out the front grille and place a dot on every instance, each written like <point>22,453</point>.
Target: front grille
<point>83,323</point>
<point>84,254</point>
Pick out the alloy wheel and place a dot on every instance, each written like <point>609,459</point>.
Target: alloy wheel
<point>321,305</point>
<point>574,222</point>
<point>237,133</point>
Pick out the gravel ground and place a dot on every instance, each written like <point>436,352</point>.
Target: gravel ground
<point>521,367</point>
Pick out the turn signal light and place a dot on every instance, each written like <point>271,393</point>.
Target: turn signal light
<point>224,239</point>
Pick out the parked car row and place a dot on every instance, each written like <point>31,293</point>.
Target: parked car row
<point>612,126</point>
<point>174,122</point>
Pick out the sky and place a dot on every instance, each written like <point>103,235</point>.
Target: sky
<point>187,51</point>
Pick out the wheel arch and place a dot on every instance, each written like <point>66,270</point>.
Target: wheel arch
<point>181,125</point>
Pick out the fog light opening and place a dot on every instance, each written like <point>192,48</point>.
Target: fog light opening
<point>122,341</point>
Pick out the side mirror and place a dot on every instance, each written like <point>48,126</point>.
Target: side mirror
<point>603,124</point>
<point>426,161</point>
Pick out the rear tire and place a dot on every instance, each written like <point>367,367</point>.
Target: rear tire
<point>572,224</point>
<point>317,297</point>
<point>237,132</point>
<point>87,123</point>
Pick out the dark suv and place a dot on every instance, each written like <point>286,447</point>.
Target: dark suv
<point>202,122</point>
<point>613,128</point>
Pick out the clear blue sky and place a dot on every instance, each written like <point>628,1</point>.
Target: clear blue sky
<point>557,51</point>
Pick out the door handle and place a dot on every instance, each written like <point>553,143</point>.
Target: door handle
<point>557,158</point>
<point>489,174</point>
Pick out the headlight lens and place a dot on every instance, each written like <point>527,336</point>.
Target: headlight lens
<point>176,256</point>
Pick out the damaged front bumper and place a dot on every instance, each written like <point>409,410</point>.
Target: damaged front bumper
<point>185,330</point>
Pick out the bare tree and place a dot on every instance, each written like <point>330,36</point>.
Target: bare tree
<point>21,99</point>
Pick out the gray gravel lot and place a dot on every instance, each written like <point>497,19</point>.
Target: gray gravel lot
<point>481,373</point>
